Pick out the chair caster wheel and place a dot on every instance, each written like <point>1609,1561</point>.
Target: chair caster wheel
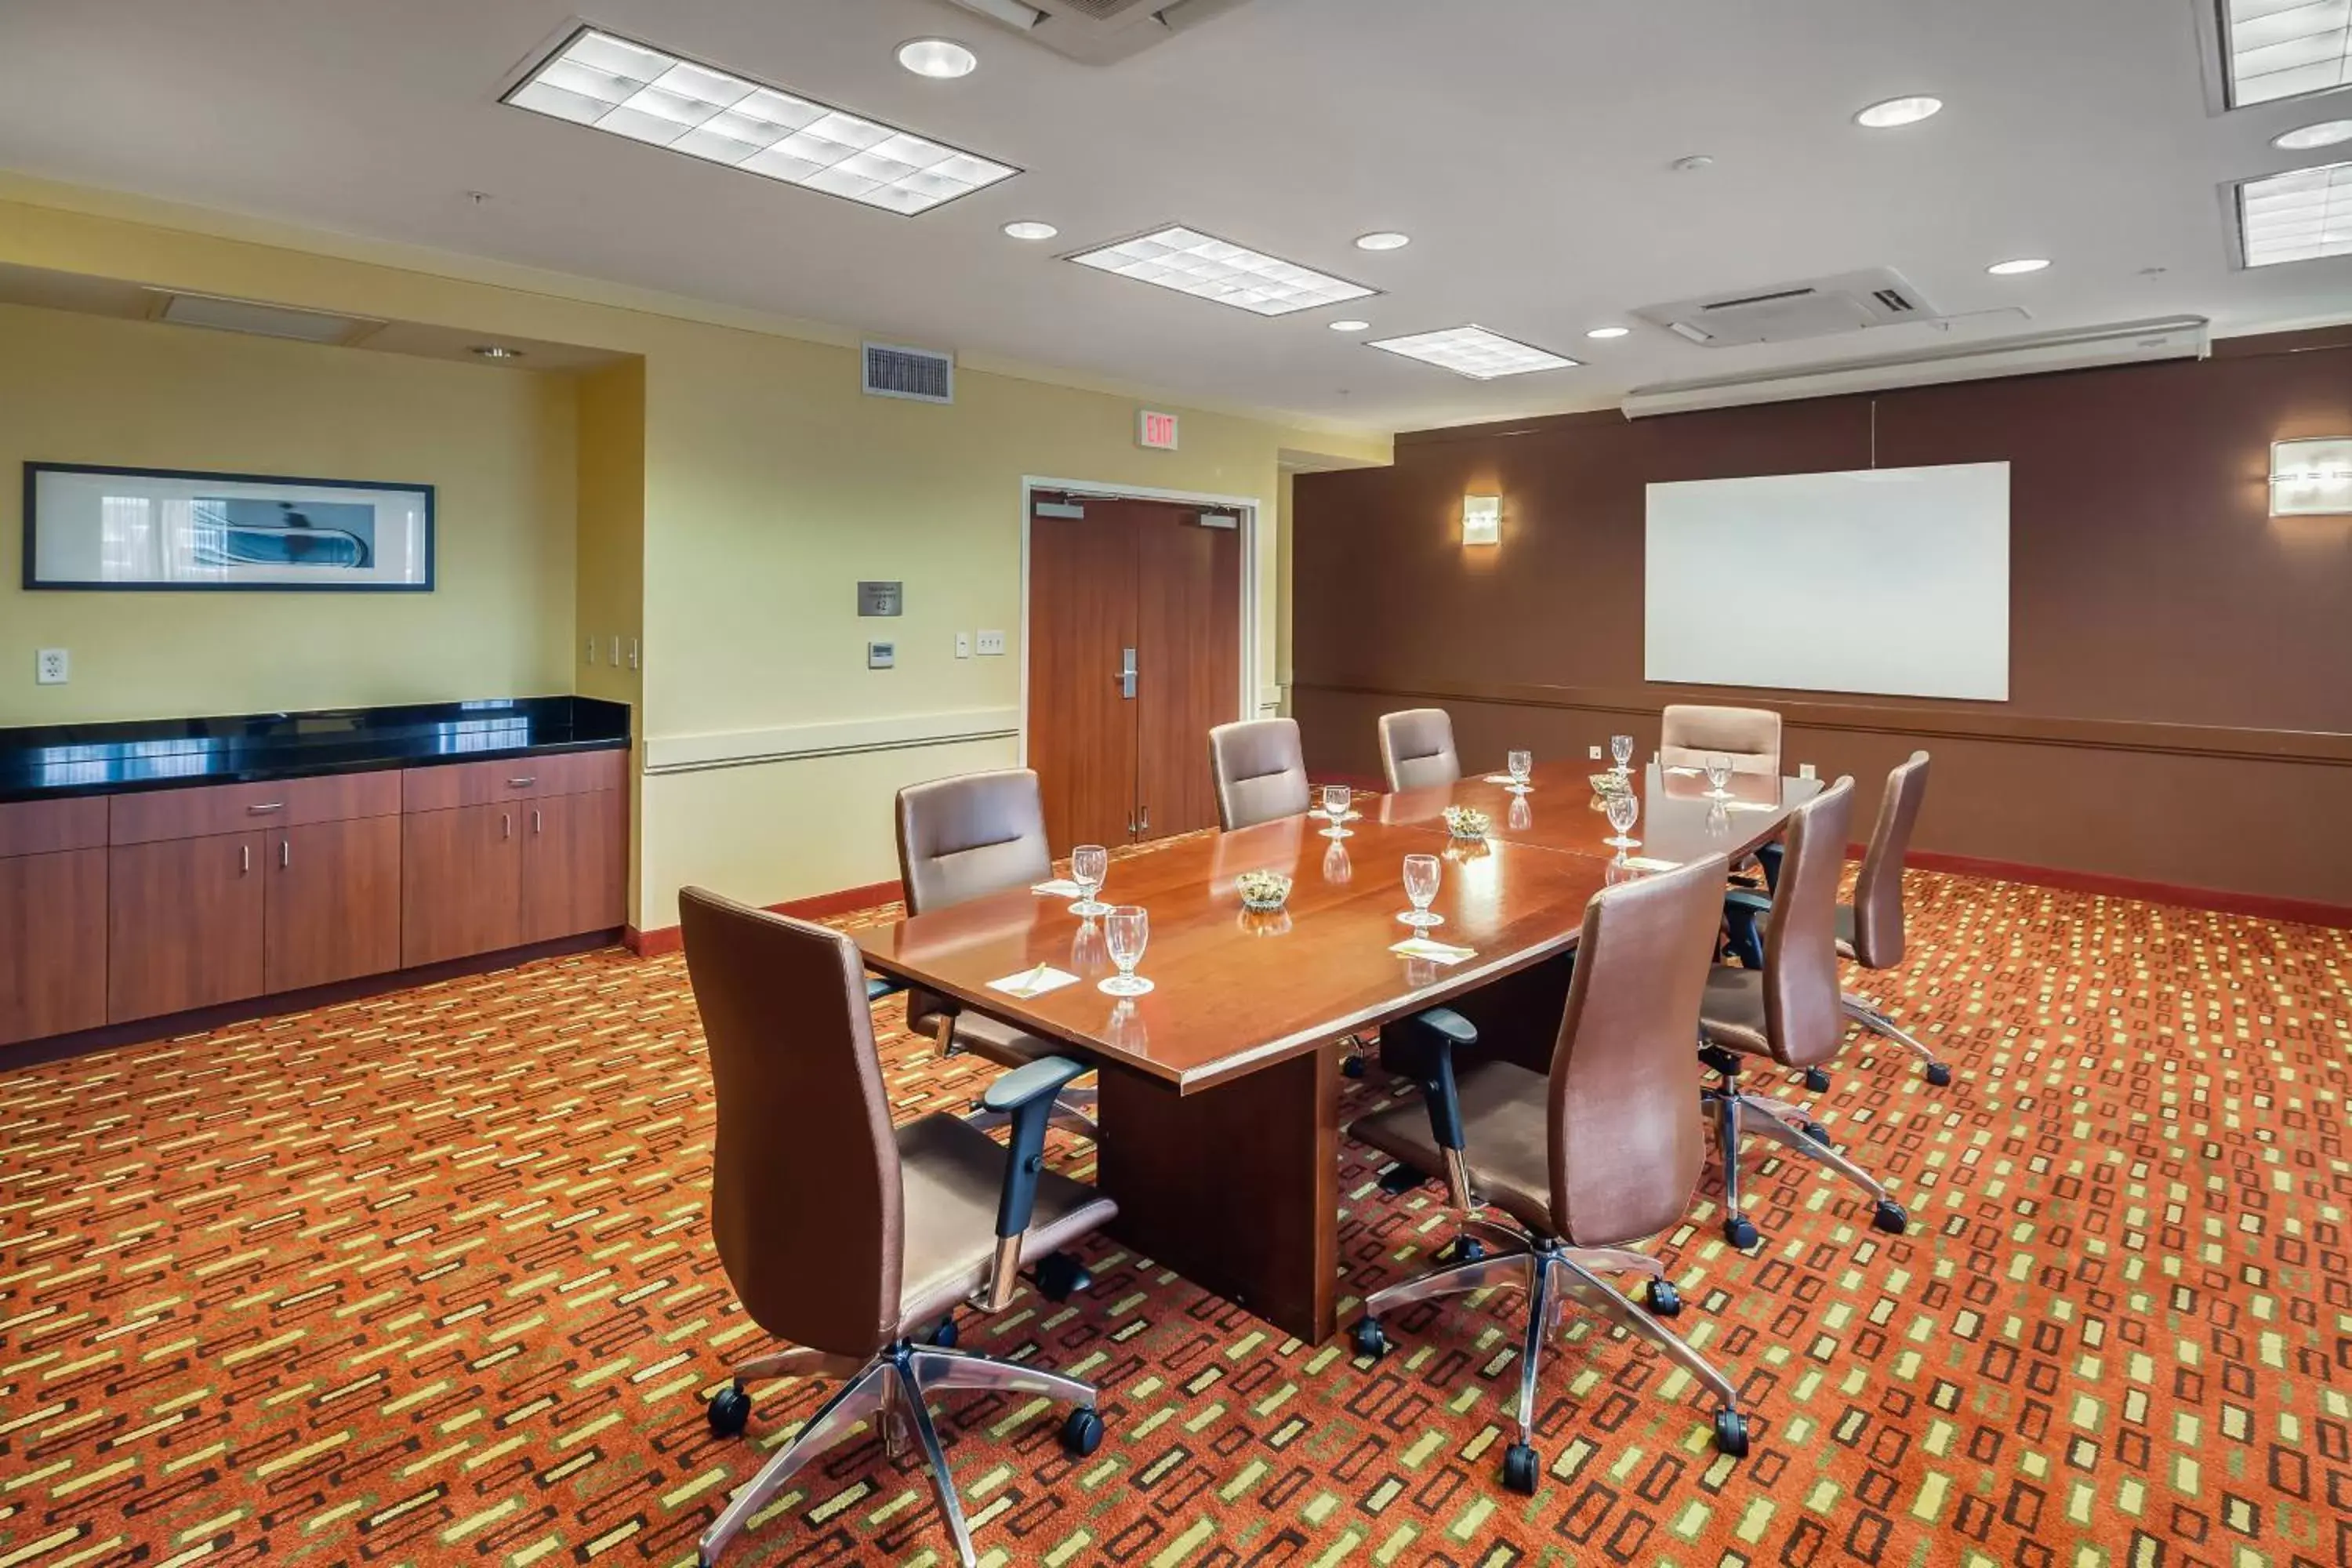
<point>1082,1434</point>
<point>1664,1300</point>
<point>1939,1074</point>
<point>730,1411</point>
<point>1739,1232</point>
<point>1817,1133</point>
<point>944,1336</point>
<point>1399,1180</point>
<point>1817,1080</point>
<point>1352,1066</point>
<point>1731,1433</point>
<point>1520,1469</point>
<point>1061,1277</point>
<point>1372,1341</point>
<point>1889,1218</point>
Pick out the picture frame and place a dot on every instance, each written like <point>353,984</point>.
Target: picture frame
<point>92,528</point>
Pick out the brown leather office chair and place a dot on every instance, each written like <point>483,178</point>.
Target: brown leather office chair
<point>1601,1153</point>
<point>1260,772</point>
<point>1689,734</point>
<point>1869,930</point>
<point>1417,749</point>
<point>1790,1012</point>
<point>844,1236</point>
<point>961,838</point>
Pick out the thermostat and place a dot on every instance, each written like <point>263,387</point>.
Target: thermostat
<point>881,656</point>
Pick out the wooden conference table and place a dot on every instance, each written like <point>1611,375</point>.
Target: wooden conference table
<point>1219,1099</point>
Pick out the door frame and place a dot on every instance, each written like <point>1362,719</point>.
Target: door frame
<point>1249,507</point>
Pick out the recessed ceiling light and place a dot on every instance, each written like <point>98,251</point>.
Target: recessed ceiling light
<point>1029,228</point>
<point>2018,268</point>
<point>1386,239</point>
<point>2301,216</point>
<point>1351,325</point>
<point>942,57</point>
<point>1605,333</point>
<point>1473,351</point>
<point>1897,111</point>
<point>495,351</point>
<point>1207,267</point>
<point>1693,165</point>
<point>606,81</point>
<point>2279,48</point>
<point>2303,138</point>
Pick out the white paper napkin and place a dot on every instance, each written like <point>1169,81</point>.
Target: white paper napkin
<point>1033,982</point>
<point>1748,805</point>
<point>1436,952</point>
<point>1498,778</point>
<point>1688,772</point>
<point>1059,888</point>
<point>1648,863</point>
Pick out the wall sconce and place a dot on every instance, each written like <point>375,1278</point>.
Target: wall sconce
<point>2311,478</point>
<point>1482,520</point>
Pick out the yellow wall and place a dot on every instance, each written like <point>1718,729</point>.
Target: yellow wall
<point>498,446</point>
<point>770,485</point>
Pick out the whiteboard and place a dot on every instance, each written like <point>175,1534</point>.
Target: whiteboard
<point>1892,581</point>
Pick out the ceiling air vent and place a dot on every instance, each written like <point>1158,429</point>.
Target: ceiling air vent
<point>264,321</point>
<point>1098,31</point>
<point>1817,308</point>
<point>918,375</point>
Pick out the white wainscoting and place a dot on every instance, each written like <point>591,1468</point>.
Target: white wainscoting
<point>689,753</point>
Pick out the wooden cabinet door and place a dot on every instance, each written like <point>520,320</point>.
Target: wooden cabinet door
<point>52,943</point>
<point>574,865</point>
<point>1189,647</point>
<point>332,910</point>
<point>184,923</point>
<point>461,882</point>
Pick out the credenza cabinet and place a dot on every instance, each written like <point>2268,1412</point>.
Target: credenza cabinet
<point>120,908</point>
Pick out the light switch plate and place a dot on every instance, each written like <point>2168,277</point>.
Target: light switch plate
<point>991,643</point>
<point>1805,771</point>
<point>52,667</point>
<point>881,656</point>
<point>963,645</point>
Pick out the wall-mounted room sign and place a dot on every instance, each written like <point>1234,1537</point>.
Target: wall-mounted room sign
<point>1155,431</point>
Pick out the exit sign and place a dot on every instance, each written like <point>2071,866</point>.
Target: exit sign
<point>1156,431</point>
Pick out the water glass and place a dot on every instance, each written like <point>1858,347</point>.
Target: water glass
<point>1624,810</point>
<point>1090,864</point>
<point>1520,765</point>
<point>1621,748</point>
<point>1718,773</point>
<point>1335,806</point>
<point>1421,877</point>
<point>1127,928</point>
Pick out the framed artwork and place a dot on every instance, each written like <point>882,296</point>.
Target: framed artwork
<point>146,530</point>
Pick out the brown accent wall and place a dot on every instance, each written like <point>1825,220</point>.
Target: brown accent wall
<point>2180,683</point>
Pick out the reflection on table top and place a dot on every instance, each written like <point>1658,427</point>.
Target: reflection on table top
<point>1235,991</point>
<point>1679,822</point>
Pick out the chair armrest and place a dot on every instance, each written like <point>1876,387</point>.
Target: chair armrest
<point>1744,913</point>
<point>1432,1037</point>
<point>878,986</point>
<point>1026,1095</point>
<point>1749,898</point>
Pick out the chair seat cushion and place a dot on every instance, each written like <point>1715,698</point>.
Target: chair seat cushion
<point>1505,1135</point>
<point>950,1177</point>
<point>1731,1014</point>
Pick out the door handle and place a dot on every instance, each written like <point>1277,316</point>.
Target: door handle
<point>244,858</point>
<point>1125,675</point>
<point>506,825</point>
<point>534,819</point>
<point>1147,819</point>
<point>285,853</point>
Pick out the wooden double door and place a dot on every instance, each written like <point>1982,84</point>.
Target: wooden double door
<point>1135,654</point>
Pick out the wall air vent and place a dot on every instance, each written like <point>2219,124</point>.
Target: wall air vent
<point>1817,308</point>
<point>257,319</point>
<point>1098,31</point>
<point>921,375</point>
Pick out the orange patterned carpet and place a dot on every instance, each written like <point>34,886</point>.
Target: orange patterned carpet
<point>426,1280</point>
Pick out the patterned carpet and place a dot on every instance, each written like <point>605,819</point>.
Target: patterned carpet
<point>426,1280</point>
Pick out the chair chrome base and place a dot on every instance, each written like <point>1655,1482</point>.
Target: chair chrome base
<point>1739,1115</point>
<point>1863,1013</point>
<point>894,1389</point>
<point>1551,1275</point>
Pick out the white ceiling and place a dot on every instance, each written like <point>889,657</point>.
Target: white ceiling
<point>1525,144</point>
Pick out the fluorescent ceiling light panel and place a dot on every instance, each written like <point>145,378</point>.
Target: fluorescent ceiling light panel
<point>1207,267</point>
<point>2301,216</point>
<point>641,93</point>
<point>1473,351</point>
<point>2286,48</point>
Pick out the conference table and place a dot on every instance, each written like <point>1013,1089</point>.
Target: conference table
<point>1220,1091</point>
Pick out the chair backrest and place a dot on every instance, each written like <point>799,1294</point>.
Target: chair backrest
<point>1688,733</point>
<point>1802,1020</point>
<point>1417,749</point>
<point>1878,889</point>
<point>1625,1150</point>
<point>805,1201</point>
<point>962,837</point>
<point>1260,770</point>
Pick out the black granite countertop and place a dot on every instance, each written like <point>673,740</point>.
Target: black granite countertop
<point>51,760</point>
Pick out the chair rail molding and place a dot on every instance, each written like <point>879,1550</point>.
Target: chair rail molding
<point>790,742</point>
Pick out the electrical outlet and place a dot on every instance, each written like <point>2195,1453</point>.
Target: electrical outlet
<point>1805,771</point>
<point>52,667</point>
<point>963,645</point>
<point>1592,754</point>
<point>990,644</point>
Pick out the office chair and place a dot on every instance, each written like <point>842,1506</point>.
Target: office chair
<point>959,839</point>
<point>1689,734</point>
<point>846,1237</point>
<point>1417,749</point>
<point>1260,772</point>
<point>1869,930</point>
<point>1787,1011</point>
<point>1601,1153</point>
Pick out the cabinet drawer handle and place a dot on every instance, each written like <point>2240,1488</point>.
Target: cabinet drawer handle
<point>523,784</point>
<point>535,820</point>
<point>506,825</point>
<point>285,853</point>
<point>244,858</point>
<point>265,810</point>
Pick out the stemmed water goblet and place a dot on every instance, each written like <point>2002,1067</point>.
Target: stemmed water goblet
<point>1422,873</point>
<point>1620,747</point>
<point>1520,764</point>
<point>1335,806</point>
<point>1718,773</point>
<point>1127,930</point>
<point>1089,865</point>
<point>1624,810</point>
